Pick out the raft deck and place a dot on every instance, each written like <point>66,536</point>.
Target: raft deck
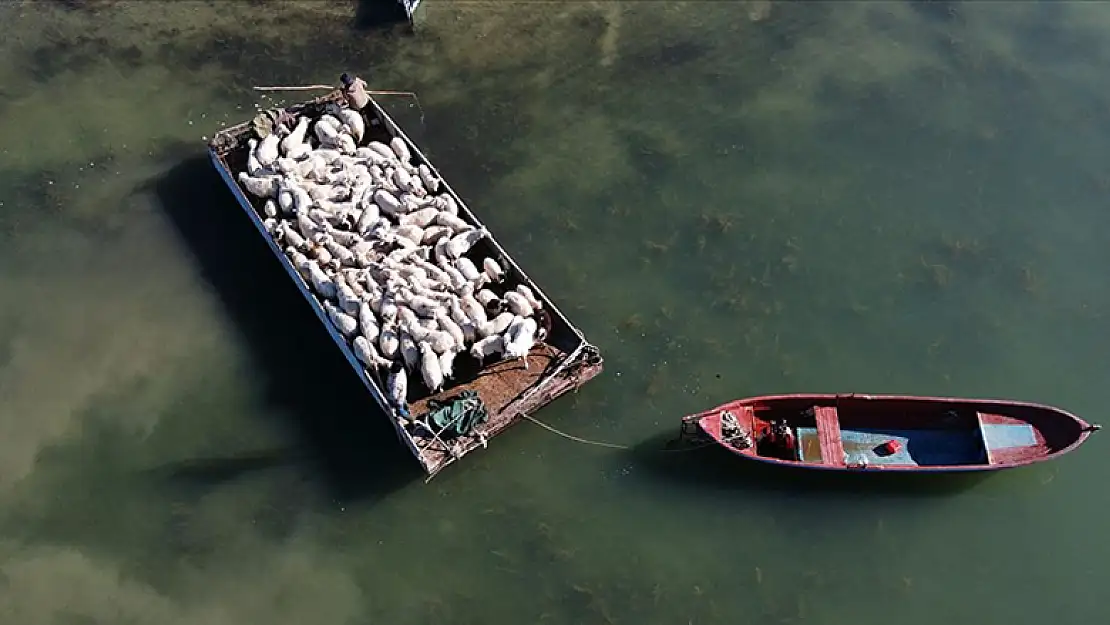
<point>563,361</point>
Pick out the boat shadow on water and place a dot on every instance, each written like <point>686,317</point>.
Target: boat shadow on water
<point>339,431</point>
<point>381,15</point>
<point>711,468</point>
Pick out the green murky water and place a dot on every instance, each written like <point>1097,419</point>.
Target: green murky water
<point>729,198</point>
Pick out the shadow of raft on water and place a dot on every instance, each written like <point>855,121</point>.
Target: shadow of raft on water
<point>343,432</point>
<point>715,468</point>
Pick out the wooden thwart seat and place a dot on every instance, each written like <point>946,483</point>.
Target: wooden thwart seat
<point>1003,439</point>
<point>981,430</point>
<point>828,433</point>
<point>745,416</point>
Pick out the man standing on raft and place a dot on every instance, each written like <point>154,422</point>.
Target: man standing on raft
<point>355,91</point>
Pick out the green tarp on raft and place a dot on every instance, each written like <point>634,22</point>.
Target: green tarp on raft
<point>457,416</point>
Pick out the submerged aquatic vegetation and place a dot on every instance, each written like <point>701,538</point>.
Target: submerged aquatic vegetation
<point>957,248</point>
<point>1028,279</point>
<point>581,103</point>
<point>717,222</point>
<point>936,274</point>
<point>657,380</point>
<point>661,247</point>
<point>633,323</point>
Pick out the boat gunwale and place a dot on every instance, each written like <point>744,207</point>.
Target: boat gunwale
<point>583,360</point>
<point>1085,430</point>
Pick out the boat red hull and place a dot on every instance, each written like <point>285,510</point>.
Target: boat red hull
<point>892,433</point>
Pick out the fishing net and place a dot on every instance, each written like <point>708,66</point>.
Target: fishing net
<point>458,416</point>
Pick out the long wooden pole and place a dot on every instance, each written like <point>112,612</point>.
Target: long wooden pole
<point>300,88</point>
<point>316,87</point>
<point>330,87</point>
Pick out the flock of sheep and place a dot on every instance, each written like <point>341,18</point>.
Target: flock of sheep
<point>386,251</point>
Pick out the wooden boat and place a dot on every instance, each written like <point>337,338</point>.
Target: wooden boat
<point>889,432</point>
<point>563,361</point>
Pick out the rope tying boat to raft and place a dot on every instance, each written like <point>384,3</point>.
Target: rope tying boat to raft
<point>596,443</point>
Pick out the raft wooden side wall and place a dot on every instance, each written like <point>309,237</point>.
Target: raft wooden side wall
<point>580,362</point>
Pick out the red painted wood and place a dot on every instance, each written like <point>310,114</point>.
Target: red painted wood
<point>1015,455</point>
<point>712,425</point>
<point>1057,432</point>
<point>828,432</point>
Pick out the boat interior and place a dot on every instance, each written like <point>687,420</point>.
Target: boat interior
<point>848,432</point>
